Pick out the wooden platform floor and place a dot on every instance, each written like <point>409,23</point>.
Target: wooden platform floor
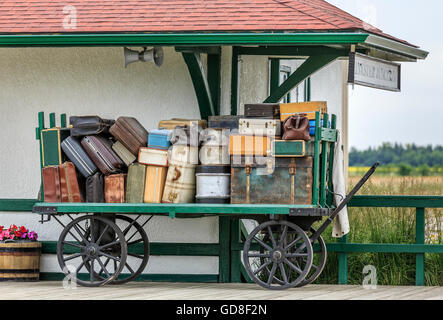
<point>197,291</point>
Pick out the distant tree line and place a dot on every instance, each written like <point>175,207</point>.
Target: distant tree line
<point>409,155</point>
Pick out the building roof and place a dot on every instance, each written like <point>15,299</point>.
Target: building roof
<point>179,16</point>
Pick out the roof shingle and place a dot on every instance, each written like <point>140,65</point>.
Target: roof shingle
<point>44,16</point>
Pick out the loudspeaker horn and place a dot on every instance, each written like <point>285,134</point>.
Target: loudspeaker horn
<point>153,55</point>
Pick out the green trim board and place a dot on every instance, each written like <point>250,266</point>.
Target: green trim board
<point>176,39</point>
<point>17,205</point>
<point>397,201</point>
<point>191,208</point>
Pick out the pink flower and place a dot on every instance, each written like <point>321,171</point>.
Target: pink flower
<point>24,235</point>
<point>32,235</point>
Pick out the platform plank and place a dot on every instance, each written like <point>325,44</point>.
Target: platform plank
<point>210,291</point>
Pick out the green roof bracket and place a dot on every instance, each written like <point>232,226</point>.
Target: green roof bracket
<point>309,67</point>
<point>201,84</point>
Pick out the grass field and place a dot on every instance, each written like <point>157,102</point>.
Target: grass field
<point>391,225</point>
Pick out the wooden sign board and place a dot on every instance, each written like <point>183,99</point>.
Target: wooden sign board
<point>375,73</point>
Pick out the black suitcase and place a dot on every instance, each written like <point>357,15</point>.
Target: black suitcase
<point>89,125</point>
<point>74,151</point>
<point>95,186</point>
<point>262,111</point>
<point>224,122</point>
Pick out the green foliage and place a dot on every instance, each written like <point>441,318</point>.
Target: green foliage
<point>396,154</point>
<point>404,169</point>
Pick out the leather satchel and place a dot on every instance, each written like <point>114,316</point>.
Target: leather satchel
<point>89,125</point>
<point>296,128</point>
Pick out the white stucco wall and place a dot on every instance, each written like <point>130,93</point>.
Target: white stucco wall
<point>82,81</point>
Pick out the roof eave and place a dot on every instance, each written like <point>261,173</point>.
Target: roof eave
<point>396,47</point>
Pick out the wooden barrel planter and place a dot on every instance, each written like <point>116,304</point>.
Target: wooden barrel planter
<point>20,261</point>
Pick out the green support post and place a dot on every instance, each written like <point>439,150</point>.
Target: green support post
<point>330,198</point>
<point>224,229</point>
<point>275,75</point>
<point>311,65</point>
<point>316,167</point>
<point>63,120</point>
<point>235,255</point>
<point>324,165</point>
<point>343,264</point>
<point>52,123</point>
<point>41,126</point>
<point>308,89</point>
<point>214,80</point>
<point>234,81</point>
<point>420,239</point>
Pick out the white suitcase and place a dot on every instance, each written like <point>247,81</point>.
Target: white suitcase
<point>260,127</point>
<point>182,154</point>
<point>214,155</point>
<point>154,157</point>
<point>180,184</point>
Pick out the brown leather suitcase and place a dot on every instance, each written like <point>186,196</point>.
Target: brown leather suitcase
<point>51,184</point>
<point>130,133</point>
<point>262,110</point>
<point>115,186</point>
<point>70,190</point>
<point>100,151</point>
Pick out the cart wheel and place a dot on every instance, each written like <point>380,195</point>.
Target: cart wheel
<point>78,248</point>
<point>138,251</point>
<point>319,260</point>
<point>271,266</point>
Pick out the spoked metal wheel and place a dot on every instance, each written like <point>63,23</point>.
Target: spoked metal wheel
<point>79,250</point>
<point>270,263</point>
<point>138,251</point>
<point>319,259</point>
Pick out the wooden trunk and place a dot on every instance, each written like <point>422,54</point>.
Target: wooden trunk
<point>272,181</point>
<point>20,261</point>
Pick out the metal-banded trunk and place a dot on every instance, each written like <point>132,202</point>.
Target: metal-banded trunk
<point>269,180</point>
<point>213,184</point>
<point>20,261</point>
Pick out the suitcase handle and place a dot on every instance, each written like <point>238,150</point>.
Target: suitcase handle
<point>177,174</point>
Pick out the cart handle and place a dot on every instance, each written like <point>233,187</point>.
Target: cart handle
<point>345,202</point>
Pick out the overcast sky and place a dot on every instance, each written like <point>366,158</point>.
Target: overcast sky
<point>416,113</point>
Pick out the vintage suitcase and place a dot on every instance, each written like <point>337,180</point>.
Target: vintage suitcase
<point>95,188</point>
<point>213,184</point>
<point>135,185</point>
<point>180,184</point>
<point>176,122</point>
<point>70,190</point>
<point>224,122</point>
<point>130,133</point>
<point>261,127</point>
<point>262,110</point>
<point>51,140</point>
<point>159,139</point>
<point>272,181</point>
<point>77,155</point>
<point>215,137</point>
<point>186,136</point>
<point>123,153</point>
<point>214,155</point>
<point>115,186</point>
<point>289,148</point>
<point>250,145</point>
<point>155,184</point>
<point>182,154</point>
<point>51,184</point>
<point>309,108</point>
<point>100,151</point>
<point>155,157</point>
<point>89,125</point>
<point>312,126</point>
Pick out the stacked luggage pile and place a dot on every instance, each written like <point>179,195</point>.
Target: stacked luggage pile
<point>263,157</point>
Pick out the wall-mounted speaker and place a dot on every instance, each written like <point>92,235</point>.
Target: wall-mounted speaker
<point>153,55</point>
